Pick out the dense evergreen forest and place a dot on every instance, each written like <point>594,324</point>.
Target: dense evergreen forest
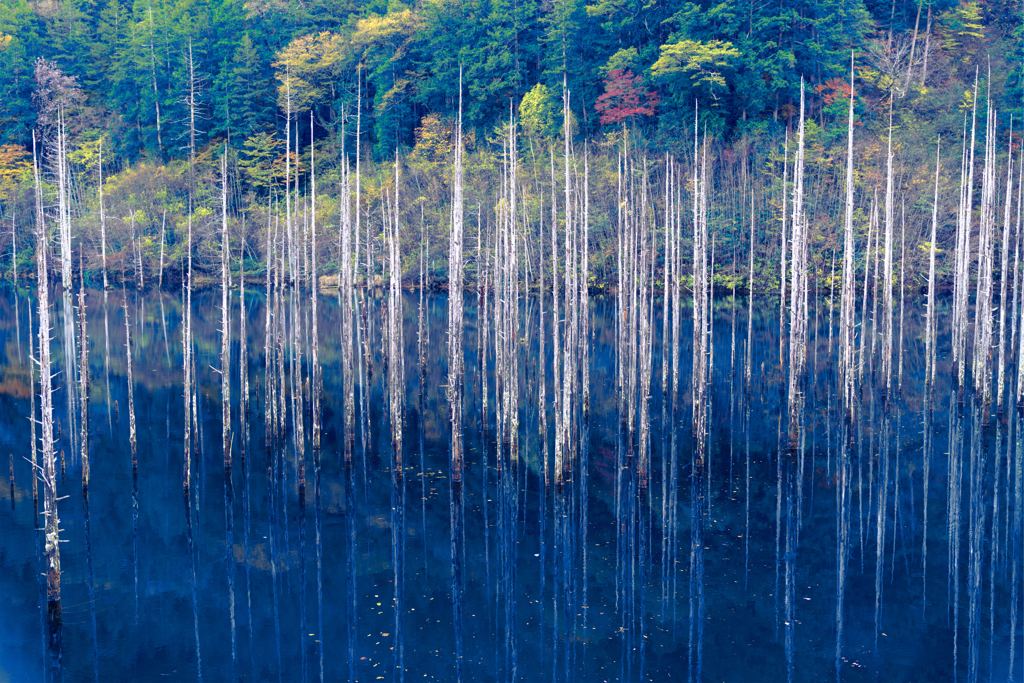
<point>133,102</point>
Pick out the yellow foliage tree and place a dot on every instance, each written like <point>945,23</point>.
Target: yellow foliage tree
<point>702,60</point>
<point>381,27</point>
<point>15,168</point>
<point>309,66</point>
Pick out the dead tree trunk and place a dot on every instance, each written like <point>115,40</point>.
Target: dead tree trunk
<point>47,473</point>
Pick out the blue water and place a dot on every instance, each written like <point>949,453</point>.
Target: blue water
<point>369,576</point>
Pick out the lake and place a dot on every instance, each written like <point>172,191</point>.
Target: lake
<point>885,547</point>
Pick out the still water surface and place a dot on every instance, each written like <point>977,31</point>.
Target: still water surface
<point>371,577</point>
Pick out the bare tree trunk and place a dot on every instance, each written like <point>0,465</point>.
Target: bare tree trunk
<point>887,295</point>
<point>864,294</point>
<point>903,291</point>
<point>929,372</point>
<point>347,277</point>
<point>961,282</point>
<point>63,202</point>
<point>314,292</point>
<point>83,376</point>
<point>163,242</point>
<point>1004,270</point>
<point>47,473</point>
<point>33,420</point>
<point>225,320</point>
<point>136,251</point>
<point>702,284</point>
<point>186,360</point>
<point>288,172</point>
<point>982,369</point>
<point>192,100</point>
<point>268,309</point>
<point>798,288</point>
<point>396,356</point>
<point>556,343</point>
<point>14,247</point>
<point>1015,306</point>
<point>103,224</point>
<point>783,272</point>
<point>455,305</point>
<point>131,381</point>
<point>186,330</point>
<point>243,345</point>
<point>749,360</point>
<point>847,314</point>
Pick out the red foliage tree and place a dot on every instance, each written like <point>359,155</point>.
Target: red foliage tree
<point>833,89</point>
<point>624,97</point>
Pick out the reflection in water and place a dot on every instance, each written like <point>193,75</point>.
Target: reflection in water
<point>878,540</point>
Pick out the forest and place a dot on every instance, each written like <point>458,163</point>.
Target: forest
<point>136,101</point>
<point>512,340</point>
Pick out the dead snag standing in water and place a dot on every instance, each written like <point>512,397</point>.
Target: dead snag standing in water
<point>83,376</point>
<point>131,381</point>
<point>268,308</point>
<point>33,420</point>
<point>346,294</point>
<point>783,269</point>
<point>47,473</point>
<point>396,356</point>
<point>225,319</point>
<point>455,305</point>
<point>983,323</point>
<point>163,245</point>
<point>702,287</point>
<point>887,289</point>
<point>749,361</point>
<point>63,200</point>
<point>186,328</point>
<point>646,339</point>
<point>1015,305</point>
<point>572,350</point>
<point>505,309</point>
<point>930,317</point>
<point>962,254</point>
<point>636,250</point>
<point>703,270</point>
<point>314,286</point>
<point>1004,271</point>
<point>847,314</point>
<point>556,344</point>
<point>186,361</point>
<point>243,344</point>
<point>798,286</point>
<point>103,222</point>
